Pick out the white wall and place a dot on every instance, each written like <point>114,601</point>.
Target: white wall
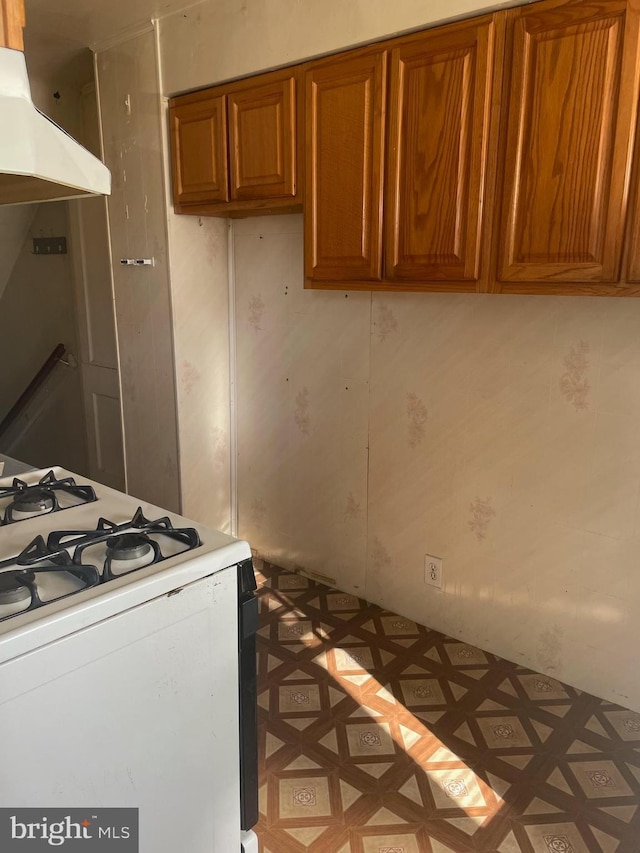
<point>497,432</point>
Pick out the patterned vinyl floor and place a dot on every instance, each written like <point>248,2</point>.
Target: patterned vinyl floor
<point>378,735</point>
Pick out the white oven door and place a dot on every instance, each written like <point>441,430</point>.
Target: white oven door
<point>140,710</point>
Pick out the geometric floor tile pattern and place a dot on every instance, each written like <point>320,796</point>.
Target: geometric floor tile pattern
<point>378,735</point>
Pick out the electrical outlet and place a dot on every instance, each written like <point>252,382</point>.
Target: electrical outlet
<point>433,571</point>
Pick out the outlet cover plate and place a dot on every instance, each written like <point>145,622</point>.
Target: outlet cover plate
<point>433,571</point>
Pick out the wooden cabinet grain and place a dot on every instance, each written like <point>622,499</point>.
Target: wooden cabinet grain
<point>234,147</point>
<point>571,120</point>
<point>440,99</point>
<point>345,111</point>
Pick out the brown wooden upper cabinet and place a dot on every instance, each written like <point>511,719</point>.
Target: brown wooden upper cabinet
<point>234,146</point>
<point>430,227</point>
<point>199,149</point>
<point>491,154</point>
<point>12,22</point>
<point>508,158</point>
<point>345,110</point>
<point>571,120</point>
<point>440,96</point>
<point>262,140</point>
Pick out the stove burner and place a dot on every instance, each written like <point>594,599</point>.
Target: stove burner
<point>12,591</point>
<point>91,557</point>
<point>34,500</point>
<point>49,495</point>
<point>128,546</point>
<point>19,576</point>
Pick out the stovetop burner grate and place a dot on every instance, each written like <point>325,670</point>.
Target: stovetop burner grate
<point>48,495</point>
<point>19,575</point>
<point>128,546</point>
<point>112,535</point>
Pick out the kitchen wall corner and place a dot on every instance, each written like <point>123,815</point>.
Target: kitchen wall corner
<point>199,291</point>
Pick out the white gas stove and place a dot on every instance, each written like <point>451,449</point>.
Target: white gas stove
<point>129,632</point>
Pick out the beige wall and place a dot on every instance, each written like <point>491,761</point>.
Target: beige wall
<point>222,39</point>
<point>173,329</point>
<point>496,432</point>
<point>53,70</point>
<point>36,293</point>
<point>38,312</point>
<point>15,221</point>
<point>133,152</point>
<point>199,290</point>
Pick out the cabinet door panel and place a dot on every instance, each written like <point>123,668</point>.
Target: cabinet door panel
<point>571,116</point>
<point>199,151</point>
<point>12,22</point>
<point>262,141</point>
<point>345,100</point>
<point>440,99</point>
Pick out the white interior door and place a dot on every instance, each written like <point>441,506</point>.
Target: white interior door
<point>96,321</point>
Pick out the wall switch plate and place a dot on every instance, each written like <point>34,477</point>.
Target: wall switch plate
<point>433,571</point>
<point>49,245</point>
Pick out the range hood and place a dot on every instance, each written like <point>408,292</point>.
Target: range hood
<point>38,160</point>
